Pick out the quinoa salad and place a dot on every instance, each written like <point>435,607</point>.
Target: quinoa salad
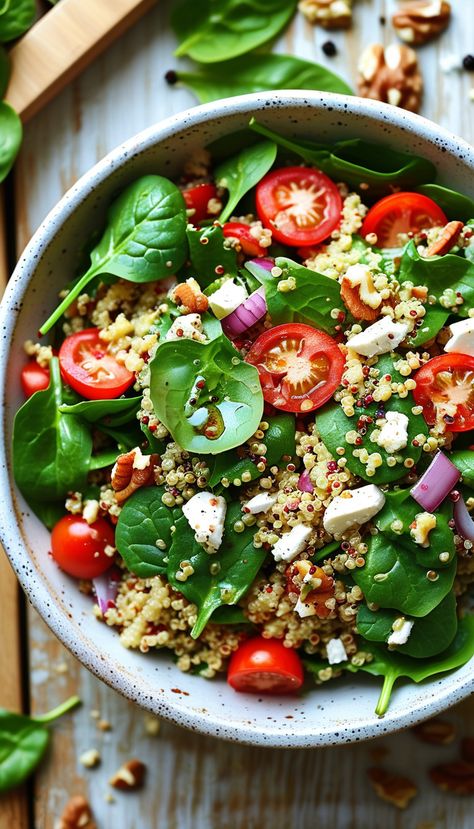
<point>252,416</point>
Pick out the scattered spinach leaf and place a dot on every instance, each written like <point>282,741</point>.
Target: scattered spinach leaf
<point>455,205</point>
<point>230,403</point>
<point>48,512</point>
<point>96,410</point>
<point>16,17</point>
<point>216,30</point>
<point>229,615</point>
<point>242,172</point>
<point>326,551</point>
<point>11,133</point>
<point>263,72</point>
<point>431,324</point>
<point>206,256</point>
<point>429,635</point>
<point>464,460</point>
<point>145,238</point>
<point>440,273</point>
<point>23,742</point>
<point>144,520</point>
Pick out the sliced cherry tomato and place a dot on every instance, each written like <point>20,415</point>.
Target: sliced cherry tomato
<point>78,547</point>
<point>445,389</point>
<point>299,367</point>
<point>241,231</point>
<point>265,666</point>
<point>89,369</point>
<point>401,213</point>
<point>300,205</point>
<point>197,198</point>
<point>34,378</point>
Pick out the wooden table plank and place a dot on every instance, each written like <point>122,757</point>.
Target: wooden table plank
<point>197,782</point>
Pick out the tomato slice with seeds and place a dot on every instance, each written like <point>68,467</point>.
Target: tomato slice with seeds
<point>401,213</point>
<point>265,666</point>
<point>300,205</point>
<point>88,368</point>
<point>242,232</point>
<point>197,198</point>
<point>445,389</point>
<point>299,367</point>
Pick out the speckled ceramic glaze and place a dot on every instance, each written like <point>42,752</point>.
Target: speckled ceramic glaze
<point>339,712</point>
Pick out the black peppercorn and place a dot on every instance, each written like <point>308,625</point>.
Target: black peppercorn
<point>468,63</point>
<point>329,48</point>
<point>171,77</point>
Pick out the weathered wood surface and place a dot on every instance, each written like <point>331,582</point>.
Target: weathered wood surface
<point>195,782</point>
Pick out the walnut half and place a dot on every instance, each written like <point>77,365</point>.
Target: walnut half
<point>420,21</point>
<point>390,75</point>
<point>331,14</point>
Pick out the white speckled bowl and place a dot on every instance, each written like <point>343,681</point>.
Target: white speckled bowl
<point>340,712</point>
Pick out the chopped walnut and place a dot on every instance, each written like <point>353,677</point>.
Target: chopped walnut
<point>130,776</point>
<point>77,815</point>
<point>435,731</point>
<point>132,471</point>
<point>331,14</point>
<point>419,21</point>
<point>455,778</point>
<point>393,788</point>
<point>390,75</point>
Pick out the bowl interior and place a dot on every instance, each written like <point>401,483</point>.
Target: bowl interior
<point>341,711</point>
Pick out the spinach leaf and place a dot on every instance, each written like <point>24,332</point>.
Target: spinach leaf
<point>23,742</point>
<point>101,460</point>
<point>401,508</point>
<point>143,521</point>
<point>95,410</point>
<point>242,172</point>
<point>326,551</point>
<point>391,577</point>
<point>440,273</point>
<point>263,72</point>
<point>16,17</point>
<point>11,133</point>
<point>229,615</point>
<point>4,71</point>
<point>357,162</point>
<point>464,460</point>
<point>208,252</point>
<point>311,301</point>
<point>238,560</point>
<point>429,635</point>
<point>48,512</point>
<point>279,440</point>
<point>455,205</point>
<point>333,426</point>
<point>145,238</point>
<point>205,394</point>
<point>51,450</point>
<point>215,30</point>
<point>432,323</point>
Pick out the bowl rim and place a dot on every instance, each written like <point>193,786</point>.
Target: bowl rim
<point>174,709</point>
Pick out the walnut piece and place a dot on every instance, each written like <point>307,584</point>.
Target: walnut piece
<point>77,814</point>
<point>446,240</point>
<point>331,14</point>
<point>132,471</point>
<point>437,732</point>
<point>390,75</point>
<point>130,776</point>
<point>393,788</point>
<point>455,778</point>
<point>420,21</point>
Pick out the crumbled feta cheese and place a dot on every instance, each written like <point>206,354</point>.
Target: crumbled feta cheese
<point>90,512</point>
<point>353,507</point>
<point>291,544</point>
<point>401,631</point>
<point>260,503</point>
<point>140,461</point>
<point>361,276</point>
<point>380,338</point>
<point>227,298</point>
<point>205,513</point>
<point>187,327</point>
<point>421,527</point>
<point>393,435</point>
<point>89,759</point>
<point>304,609</point>
<point>336,651</point>
<point>462,339</point>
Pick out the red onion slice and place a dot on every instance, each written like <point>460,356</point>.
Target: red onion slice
<point>266,263</point>
<point>246,314</point>
<point>437,482</point>
<point>304,482</point>
<point>106,588</point>
<point>464,521</point>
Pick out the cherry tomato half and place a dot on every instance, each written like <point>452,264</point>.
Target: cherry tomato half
<point>89,369</point>
<point>78,547</point>
<point>300,205</point>
<point>265,666</point>
<point>241,231</point>
<point>33,378</point>
<point>197,198</point>
<point>299,367</point>
<point>445,389</point>
<point>401,213</point>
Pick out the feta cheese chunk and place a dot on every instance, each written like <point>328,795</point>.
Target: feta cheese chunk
<point>205,513</point>
<point>140,461</point>
<point>401,630</point>
<point>260,503</point>
<point>353,507</point>
<point>394,433</point>
<point>291,544</point>
<point>227,298</point>
<point>336,651</point>
<point>380,338</point>
<point>421,527</point>
<point>305,609</point>
<point>187,327</point>
<point>462,340</point>
<point>361,276</point>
